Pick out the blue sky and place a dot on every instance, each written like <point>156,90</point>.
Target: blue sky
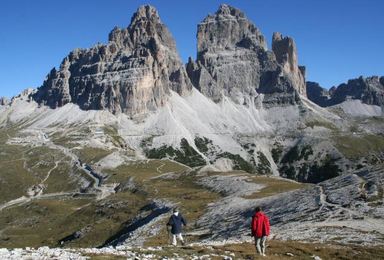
<point>336,39</point>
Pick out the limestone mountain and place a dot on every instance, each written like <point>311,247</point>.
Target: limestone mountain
<point>233,60</point>
<point>134,133</point>
<point>239,106</point>
<point>133,73</point>
<point>368,90</point>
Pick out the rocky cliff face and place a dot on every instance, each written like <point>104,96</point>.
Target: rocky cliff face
<point>136,70</point>
<point>318,94</point>
<point>233,61</point>
<point>133,73</point>
<point>369,90</point>
<point>284,49</point>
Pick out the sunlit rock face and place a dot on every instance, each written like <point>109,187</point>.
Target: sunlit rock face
<point>133,73</point>
<point>233,61</point>
<point>284,49</point>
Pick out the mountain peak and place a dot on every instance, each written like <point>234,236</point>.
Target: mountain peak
<point>228,29</point>
<point>225,9</point>
<point>132,74</point>
<point>146,12</point>
<point>229,38</point>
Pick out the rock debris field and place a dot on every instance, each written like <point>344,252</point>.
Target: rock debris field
<point>79,254</point>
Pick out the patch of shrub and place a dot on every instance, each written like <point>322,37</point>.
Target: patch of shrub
<point>202,144</point>
<point>288,171</point>
<point>297,154</point>
<point>264,166</point>
<point>276,154</point>
<point>186,155</point>
<point>292,155</point>
<point>329,169</point>
<point>238,161</point>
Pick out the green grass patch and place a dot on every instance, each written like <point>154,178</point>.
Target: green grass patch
<point>325,124</point>
<point>37,223</point>
<point>274,186</point>
<point>357,146</point>
<point>117,140</point>
<point>142,170</point>
<point>65,177</point>
<point>91,155</point>
<point>22,167</point>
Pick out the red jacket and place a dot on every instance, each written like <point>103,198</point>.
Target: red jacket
<point>260,225</point>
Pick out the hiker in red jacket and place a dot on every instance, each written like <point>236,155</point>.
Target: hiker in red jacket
<point>260,230</point>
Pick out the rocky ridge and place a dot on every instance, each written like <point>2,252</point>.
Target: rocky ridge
<point>318,94</point>
<point>368,90</point>
<point>349,207</point>
<point>133,73</point>
<point>136,70</point>
<point>233,61</point>
<point>93,153</point>
<point>246,109</point>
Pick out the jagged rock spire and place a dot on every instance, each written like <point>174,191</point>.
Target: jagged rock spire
<point>233,60</point>
<point>284,49</point>
<point>228,29</point>
<point>133,73</point>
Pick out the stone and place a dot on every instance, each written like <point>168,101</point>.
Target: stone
<point>133,73</point>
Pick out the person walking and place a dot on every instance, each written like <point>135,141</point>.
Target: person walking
<point>260,230</point>
<point>174,224</point>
